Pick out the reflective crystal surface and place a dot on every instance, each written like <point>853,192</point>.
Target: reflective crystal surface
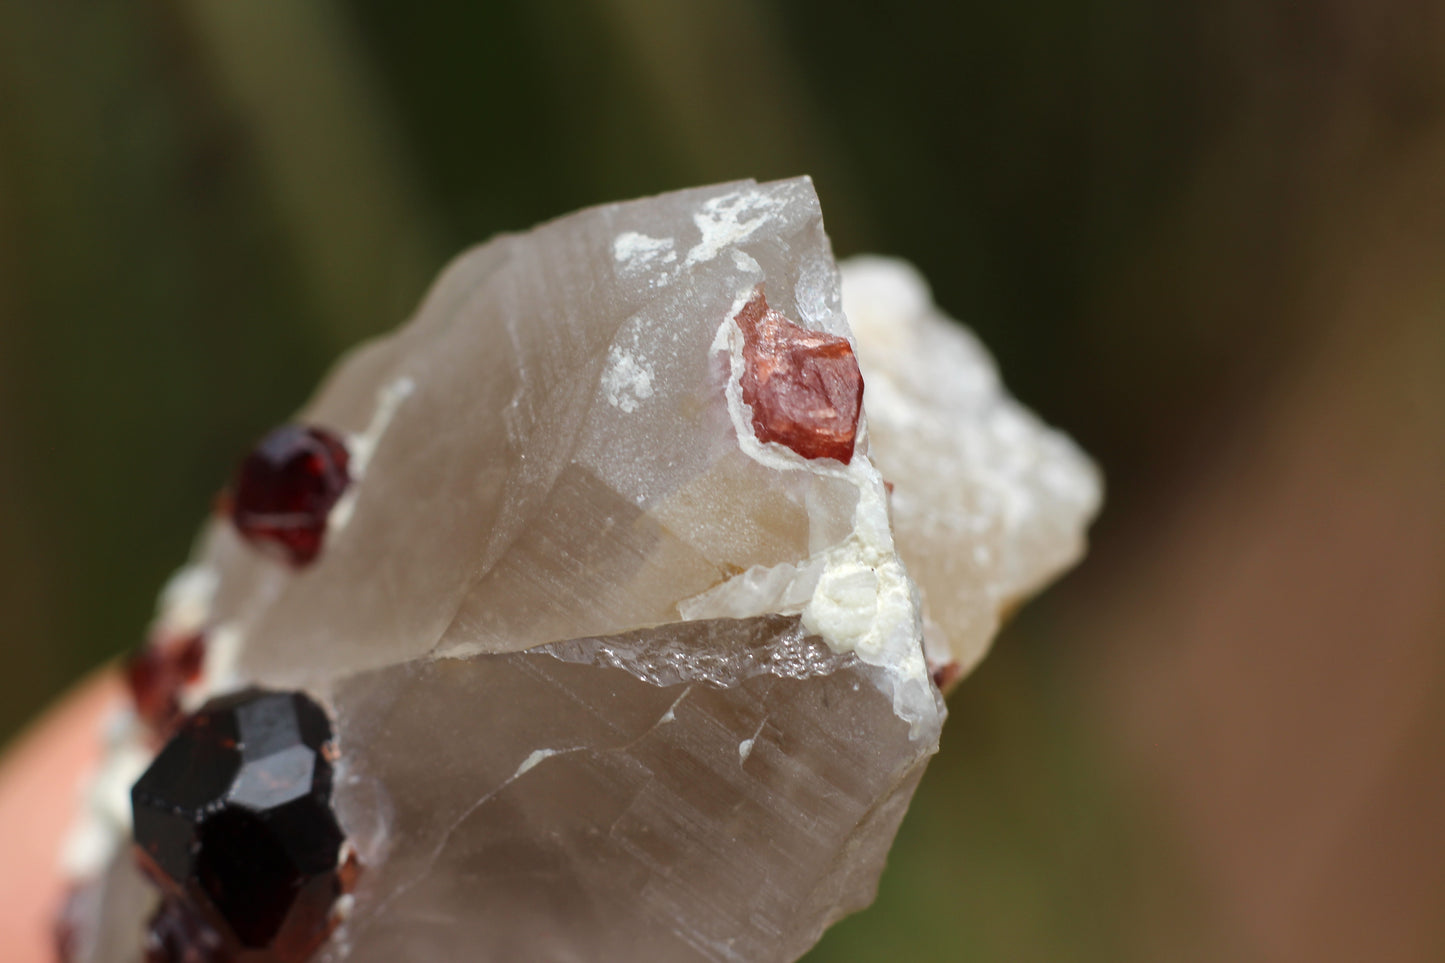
<point>624,658</point>
<point>233,821</point>
<point>283,493</point>
<point>621,819</point>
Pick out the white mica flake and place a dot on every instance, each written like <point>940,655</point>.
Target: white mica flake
<point>783,589</point>
<point>362,447</point>
<point>728,220</point>
<point>102,824</point>
<point>866,604</point>
<point>388,399</point>
<point>635,253</point>
<point>626,382</point>
<point>537,756</point>
<point>219,675</point>
<point>185,602</point>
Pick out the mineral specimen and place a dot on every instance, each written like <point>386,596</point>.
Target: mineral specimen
<point>629,648</point>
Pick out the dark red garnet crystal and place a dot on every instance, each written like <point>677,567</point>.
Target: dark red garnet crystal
<point>158,672</point>
<point>285,490</point>
<point>803,386</point>
<point>233,820</point>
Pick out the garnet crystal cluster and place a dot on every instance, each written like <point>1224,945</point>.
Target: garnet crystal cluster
<point>594,575</point>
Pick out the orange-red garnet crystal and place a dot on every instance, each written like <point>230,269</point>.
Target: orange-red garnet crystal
<point>803,386</point>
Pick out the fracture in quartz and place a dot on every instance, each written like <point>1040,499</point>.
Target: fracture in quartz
<point>625,575</point>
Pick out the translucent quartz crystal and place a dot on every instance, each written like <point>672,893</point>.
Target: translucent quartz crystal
<point>615,671</point>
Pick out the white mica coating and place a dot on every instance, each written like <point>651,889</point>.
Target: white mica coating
<point>185,602</point>
<point>638,252</point>
<point>627,382</point>
<point>989,503</point>
<point>536,756</point>
<point>361,446</point>
<point>729,220</point>
<point>102,824</point>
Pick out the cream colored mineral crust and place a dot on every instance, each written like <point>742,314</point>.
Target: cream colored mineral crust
<point>612,679</point>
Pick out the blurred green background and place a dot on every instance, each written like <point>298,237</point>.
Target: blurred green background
<point>1205,237</point>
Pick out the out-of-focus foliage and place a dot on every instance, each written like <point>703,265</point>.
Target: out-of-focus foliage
<point>1198,235</point>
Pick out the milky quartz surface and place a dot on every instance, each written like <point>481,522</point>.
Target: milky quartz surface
<point>612,679</point>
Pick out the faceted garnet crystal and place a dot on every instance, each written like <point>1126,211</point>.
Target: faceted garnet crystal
<point>285,489</point>
<point>233,821</point>
<point>803,386</point>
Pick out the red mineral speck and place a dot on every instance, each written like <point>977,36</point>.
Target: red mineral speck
<point>156,675</point>
<point>804,387</point>
<point>946,676</point>
<point>284,491</point>
<point>75,919</point>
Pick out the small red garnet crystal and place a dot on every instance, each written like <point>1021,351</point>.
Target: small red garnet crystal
<point>804,386</point>
<point>946,675</point>
<point>285,490</point>
<point>156,675</point>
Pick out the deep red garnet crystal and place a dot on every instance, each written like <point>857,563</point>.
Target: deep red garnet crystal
<point>233,821</point>
<point>157,673</point>
<point>285,490</point>
<point>804,387</point>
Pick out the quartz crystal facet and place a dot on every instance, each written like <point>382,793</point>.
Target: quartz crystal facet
<point>633,652</point>
<point>233,820</point>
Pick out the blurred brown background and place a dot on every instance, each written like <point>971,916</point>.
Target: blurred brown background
<point>1205,237</point>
